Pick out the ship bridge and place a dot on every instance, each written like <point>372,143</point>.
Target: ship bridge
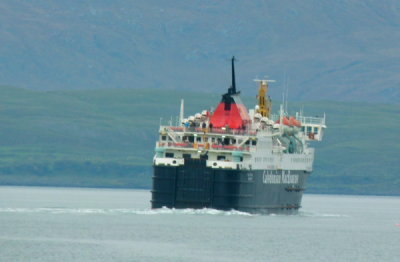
<point>312,128</point>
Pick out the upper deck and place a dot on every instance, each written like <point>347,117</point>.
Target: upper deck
<point>210,131</point>
<point>196,138</point>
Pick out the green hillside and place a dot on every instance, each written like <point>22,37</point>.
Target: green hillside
<point>106,138</point>
<point>332,50</point>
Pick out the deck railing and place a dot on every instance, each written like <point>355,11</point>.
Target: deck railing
<point>243,132</point>
<point>313,120</point>
<point>208,146</point>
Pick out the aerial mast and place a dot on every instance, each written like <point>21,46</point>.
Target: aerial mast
<point>181,113</point>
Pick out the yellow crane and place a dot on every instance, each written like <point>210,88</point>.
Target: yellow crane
<point>264,101</point>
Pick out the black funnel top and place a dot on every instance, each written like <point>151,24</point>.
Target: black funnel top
<point>226,98</point>
<point>232,90</point>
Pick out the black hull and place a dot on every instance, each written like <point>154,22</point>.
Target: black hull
<point>196,186</point>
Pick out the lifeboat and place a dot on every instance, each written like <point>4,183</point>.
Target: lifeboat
<point>285,121</point>
<point>292,121</point>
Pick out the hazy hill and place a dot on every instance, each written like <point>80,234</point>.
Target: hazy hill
<point>106,138</point>
<point>336,50</point>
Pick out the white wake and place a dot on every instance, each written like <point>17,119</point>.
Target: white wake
<point>113,211</point>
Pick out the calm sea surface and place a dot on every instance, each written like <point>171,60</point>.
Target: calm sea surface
<point>64,224</point>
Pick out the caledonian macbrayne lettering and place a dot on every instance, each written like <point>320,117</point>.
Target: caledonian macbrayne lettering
<point>270,177</point>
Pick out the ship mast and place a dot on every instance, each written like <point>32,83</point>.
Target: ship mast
<point>181,113</point>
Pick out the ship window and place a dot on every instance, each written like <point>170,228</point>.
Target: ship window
<point>213,139</point>
<point>254,142</point>
<point>316,130</point>
<point>233,141</point>
<point>241,159</point>
<point>226,141</point>
<point>186,155</point>
<point>163,138</point>
<point>309,128</point>
<point>191,139</point>
<point>248,142</point>
<point>302,128</point>
<point>220,157</point>
<point>198,139</point>
<point>169,155</point>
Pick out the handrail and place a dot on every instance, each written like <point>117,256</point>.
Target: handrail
<point>205,146</point>
<point>213,130</point>
<point>304,119</point>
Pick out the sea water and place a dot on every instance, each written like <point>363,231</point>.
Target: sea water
<point>71,224</point>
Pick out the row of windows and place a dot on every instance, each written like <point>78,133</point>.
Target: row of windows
<point>301,160</point>
<point>219,157</point>
<point>263,159</point>
<point>310,129</point>
<point>222,141</point>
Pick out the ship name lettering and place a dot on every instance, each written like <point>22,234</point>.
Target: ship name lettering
<point>270,178</point>
<point>290,179</point>
<point>284,178</point>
